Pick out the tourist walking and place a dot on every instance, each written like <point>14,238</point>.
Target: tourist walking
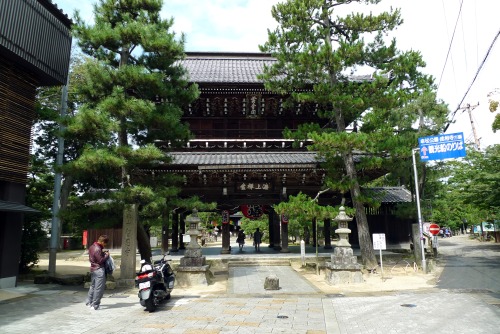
<point>241,239</point>
<point>257,239</point>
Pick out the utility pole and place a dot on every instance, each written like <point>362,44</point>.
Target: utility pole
<point>55,230</point>
<point>469,109</point>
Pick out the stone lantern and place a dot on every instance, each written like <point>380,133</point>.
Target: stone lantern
<point>343,231</point>
<point>192,256</point>
<point>193,222</point>
<point>343,267</point>
<point>192,269</point>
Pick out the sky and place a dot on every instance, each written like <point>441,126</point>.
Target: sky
<point>453,46</point>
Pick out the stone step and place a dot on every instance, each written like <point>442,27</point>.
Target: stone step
<point>262,262</point>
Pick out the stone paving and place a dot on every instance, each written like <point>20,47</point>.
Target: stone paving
<point>243,306</point>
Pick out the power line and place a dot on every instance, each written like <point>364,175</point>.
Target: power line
<point>474,79</point>
<point>451,42</point>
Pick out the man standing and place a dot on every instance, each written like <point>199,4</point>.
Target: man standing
<point>97,258</point>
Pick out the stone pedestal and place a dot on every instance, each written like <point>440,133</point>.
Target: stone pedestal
<point>343,268</point>
<point>192,258</point>
<point>192,269</point>
<point>192,276</point>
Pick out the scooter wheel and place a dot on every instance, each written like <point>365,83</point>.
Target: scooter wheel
<point>150,304</point>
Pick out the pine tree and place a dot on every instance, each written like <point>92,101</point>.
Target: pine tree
<point>133,91</point>
<point>318,50</point>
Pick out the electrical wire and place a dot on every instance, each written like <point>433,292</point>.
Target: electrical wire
<point>465,49</point>
<point>451,43</point>
<point>474,79</point>
<point>477,36</point>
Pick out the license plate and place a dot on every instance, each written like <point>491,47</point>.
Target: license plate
<point>144,285</point>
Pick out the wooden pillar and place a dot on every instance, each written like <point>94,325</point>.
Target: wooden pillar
<point>284,235</point>
<point>164,231</point>
<point>271,229</point>
<point>182,231</point>
<point>277,231</point>
<point>314,243</point>
<point>226,239</point>
<point>175,232</point>
<point>326,231</point>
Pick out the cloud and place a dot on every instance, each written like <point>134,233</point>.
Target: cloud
<point>221,25</point>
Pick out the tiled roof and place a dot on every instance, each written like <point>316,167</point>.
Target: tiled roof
<point>228,69</point>
<point>224,159</point>
<point>389,194</point>
<point>15,207</point>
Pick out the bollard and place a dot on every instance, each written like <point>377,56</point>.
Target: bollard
<point>272,282</point>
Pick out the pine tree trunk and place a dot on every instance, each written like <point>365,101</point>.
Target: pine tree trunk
<point>143,243</point>
<point>367,254</point>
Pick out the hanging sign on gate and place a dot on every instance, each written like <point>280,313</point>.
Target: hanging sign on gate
<point>225,217</point>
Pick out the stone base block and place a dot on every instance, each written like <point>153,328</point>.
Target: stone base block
<point>272,282</point>
<point>42,279</point>
<point>193,253</point>
<point>59,279</point>
<point>125,283</point>
<point>109,285</point>
<point>192,276</point>
<point>333,276</point>
<point>192,261</point>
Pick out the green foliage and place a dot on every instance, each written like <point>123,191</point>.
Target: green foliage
<point>131,92</point>
<point>251,225</point>
<point>304,208</point>
<point>472,190</point>
<point>38,196</point>
<point>318,50</point>
<point>493,107</point>
<point>33,239</point>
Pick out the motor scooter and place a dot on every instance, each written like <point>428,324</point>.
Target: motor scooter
<point>155,282</point>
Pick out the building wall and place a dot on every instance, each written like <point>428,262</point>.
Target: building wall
<point>17,97</point>
<point>11,224</point>
<point>36,35</point>
<point>35,45</point>
<point>17,112</point>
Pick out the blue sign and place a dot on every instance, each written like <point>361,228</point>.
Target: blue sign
<point>441,147</point>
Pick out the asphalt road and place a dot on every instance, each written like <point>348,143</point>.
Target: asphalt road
<point>469,265</point>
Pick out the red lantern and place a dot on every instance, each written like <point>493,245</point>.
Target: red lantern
<point>252,211</point>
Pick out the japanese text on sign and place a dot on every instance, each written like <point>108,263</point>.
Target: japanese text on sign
<point>442,146</point>
<point>250,186</point>
<point>379,241</point>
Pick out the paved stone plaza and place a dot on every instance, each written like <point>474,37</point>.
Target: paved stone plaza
<point>241,305</point>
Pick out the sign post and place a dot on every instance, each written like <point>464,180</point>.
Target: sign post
<point>303,252</point>
<point>424,264</point>
<point>436,147</point>
<point>379,243</point>
<point>434,229</point>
